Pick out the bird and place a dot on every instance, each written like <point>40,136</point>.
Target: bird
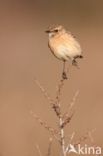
<point>64,46</point>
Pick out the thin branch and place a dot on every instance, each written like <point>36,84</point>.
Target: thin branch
<point>67,120</point>
<point>49,147</point>
<point>39,151</point>
<point>59,90</point>
<point>43,91</point>
<point>56,109</point>
<point>54,104</point>
<point>93,143</point>
<point>85,137</point>
<point>90,136</point>
<point>81,139</point>
<point>62,137</point>
<point>53,131</point>
<point>71,138</point>
<point>72,103</point>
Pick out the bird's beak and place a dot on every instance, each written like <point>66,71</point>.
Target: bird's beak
<point>47,31</point>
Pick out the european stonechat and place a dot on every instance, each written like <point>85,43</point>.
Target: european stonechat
<point>64,46</point>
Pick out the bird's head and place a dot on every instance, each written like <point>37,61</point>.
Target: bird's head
<point>52,31</point>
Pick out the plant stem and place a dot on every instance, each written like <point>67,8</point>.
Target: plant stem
<point>62,137</point>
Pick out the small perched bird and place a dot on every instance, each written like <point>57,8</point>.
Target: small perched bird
<point>64,46</point>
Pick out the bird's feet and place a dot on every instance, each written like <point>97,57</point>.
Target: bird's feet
<point>64,76</point>
<point>74,63</point>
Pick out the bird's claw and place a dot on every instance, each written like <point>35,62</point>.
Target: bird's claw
<point>64,76</point>
<point>74,63</point>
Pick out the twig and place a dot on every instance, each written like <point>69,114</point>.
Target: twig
<point>43,91</point>
<point>53,131</point>
<point>92,141</point>
<point>90,136</point>
<point>62,138</point>
<point>54,104</point>
<point>71,138</point>
<point>49,147</point>
<point>67,120</point>
<point>60,86</point>
<point>39,151</point>
<point>57,99</point>
<point>71,104</point>
<point>85,137</point>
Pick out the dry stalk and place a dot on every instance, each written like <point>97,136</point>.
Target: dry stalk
<point>88,135</point>
<point>61,121</point>
<point>62,137</point>
<point>54,104</point>
<point>49,147</point>
<point>67,120</point>
<point>64,119</point>
<point>43,91</point>
<point>39,151</point>
<point>72,103</point>
<point>53,131</point>
<point>93,143</point>
<point>70,140</point>
<point>59,90</point>
<point>57,109</point>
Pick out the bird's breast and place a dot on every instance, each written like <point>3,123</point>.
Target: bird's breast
<point>64,47</point>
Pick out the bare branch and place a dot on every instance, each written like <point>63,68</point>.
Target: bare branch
<point>43,91</point>
<point>59,90</point>
<point>49,147</point>
<point>71,104</point>
<point>39,151</point>
<point>62,137</point>
<point>56,104</point>
<point>85,137</point>
<point>53,131</point>
<point>56,109</point>
<point>53,103</point>
<point>71,138</point>
<point>67,120</point>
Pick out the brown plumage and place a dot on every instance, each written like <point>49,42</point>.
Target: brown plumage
<point>64,45</point>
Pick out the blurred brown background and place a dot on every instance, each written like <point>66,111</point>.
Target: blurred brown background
<point>24,54</point>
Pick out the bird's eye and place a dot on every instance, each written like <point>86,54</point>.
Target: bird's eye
<point>56,30</point>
